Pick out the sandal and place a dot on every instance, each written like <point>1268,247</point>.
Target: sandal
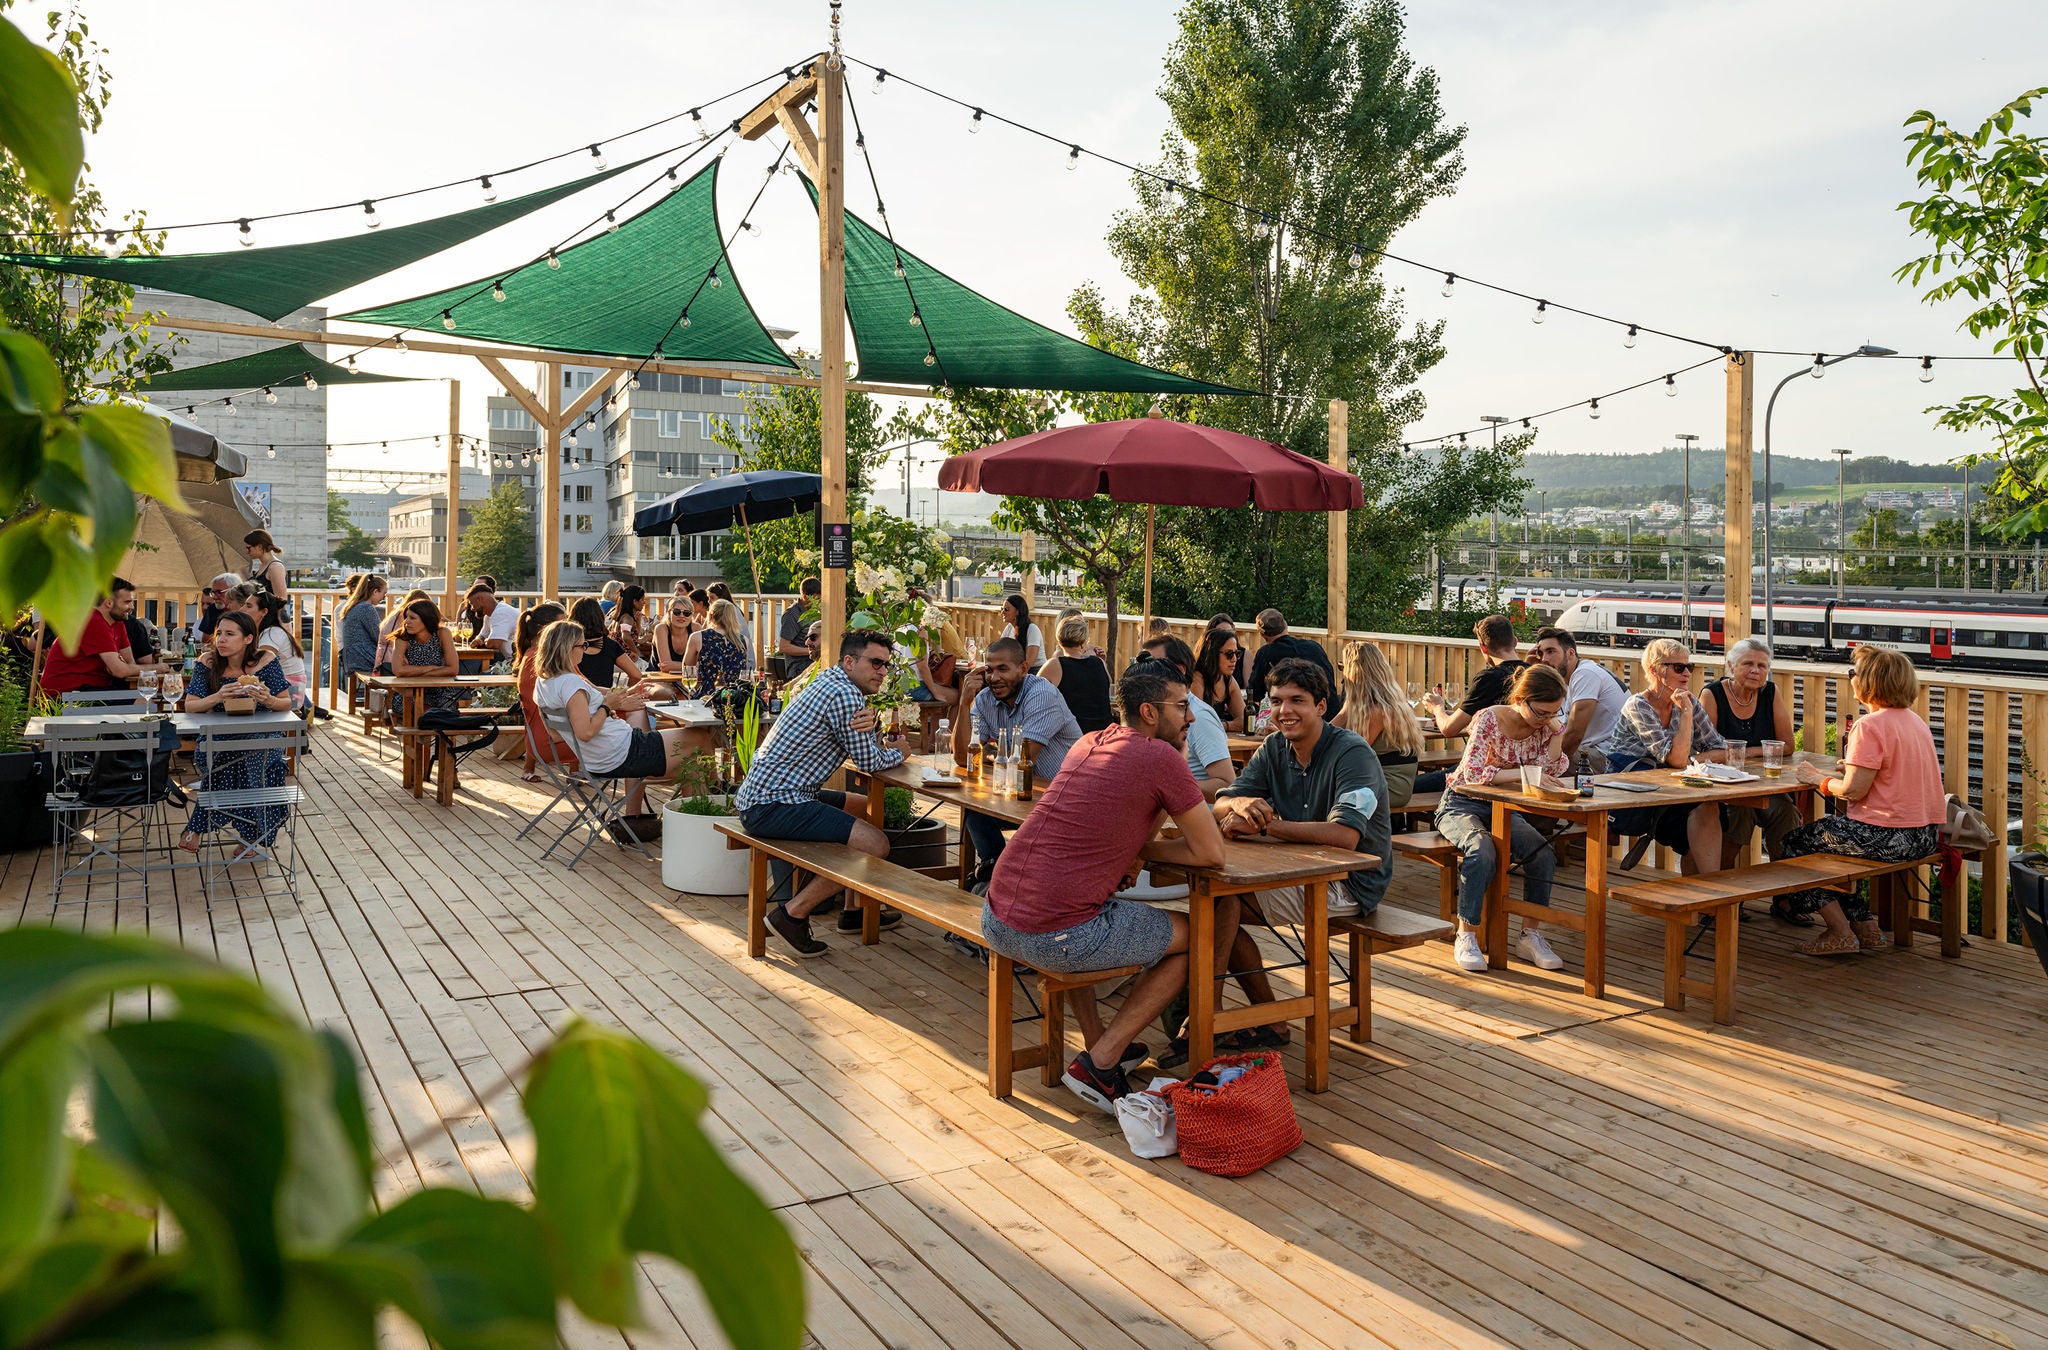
<point>1250,1038</point>
<point>1870,937</point>
<point>1784,914</point>
<point>1830,945</point>
<point>530,776</point>
<point>189,842</point>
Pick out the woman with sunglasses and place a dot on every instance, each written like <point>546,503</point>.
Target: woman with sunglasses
<point>1666,726</point>
<point>1217,680</point>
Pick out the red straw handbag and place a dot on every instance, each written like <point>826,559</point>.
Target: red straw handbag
<point>1237,1128</point>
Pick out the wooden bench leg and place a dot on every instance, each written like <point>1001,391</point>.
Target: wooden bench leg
<point>1954,908</point>
<point>1001,1008</point>
<point>1447,893</point>
<point>444,786</point>
<point>1053,1035</point>
<point>757,903</point>
<point>870,918</point>
<point>1675,926</point>
<point>1727,925</point>
<point>1897,906</point>
<point>1360,999</point>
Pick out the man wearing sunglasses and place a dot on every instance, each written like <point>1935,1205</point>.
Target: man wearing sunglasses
<point>784,795</point>
<point>213,602</point>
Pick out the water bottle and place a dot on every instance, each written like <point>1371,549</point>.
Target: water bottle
<point>942,746</point>
<point>1585,776</point>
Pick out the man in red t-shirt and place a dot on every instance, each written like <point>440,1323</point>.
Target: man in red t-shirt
<point>100,660</point>
<point>1052,902</point>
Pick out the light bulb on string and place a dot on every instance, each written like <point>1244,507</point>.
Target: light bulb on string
<point>1671,386</point>
<point>269,395</point>
<point>371,220</point>
<point>1593,410</point>
<point>311,383</point>
<point>1357,256</point>
<point>1820,366</point>
<point>1630,339</point>
<point>245,238</point>
<point>916,317</point>
<point>713,280</point>
<point>881,77</point>
<point>931,358</point>
<point>703,132</point>
<point>685,321</point>
<point>597,154</point>
<point>448,320</point>
<point>490,191</point>
<point>1073,158</point>
<point>554,262</point>
<point>1927,370</point>
<point>227,407</point>
<point>899,267</point>
<point>634,382</point>
<point>1450,280</point>
<point>611,222</point>
<point>1542,311</point>
<point>498,291</point>
<point>398,344</point>
<point>974,123</point>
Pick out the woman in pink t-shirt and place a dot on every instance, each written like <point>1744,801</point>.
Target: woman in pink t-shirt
<point>1891,783</point>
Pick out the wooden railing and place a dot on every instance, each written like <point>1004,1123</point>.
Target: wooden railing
<point>1992,772</point>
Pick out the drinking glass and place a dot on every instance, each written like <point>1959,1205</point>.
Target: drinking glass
<point>147,685</point>
<point>173,687</point>
<point>1737,751</point>
<point>1774,759</point>
<point>1532,780</point>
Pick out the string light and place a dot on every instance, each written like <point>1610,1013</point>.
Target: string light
<point>703,132</point>
<point>448,320</point>
<point>270,453</point>
<point>370,218</point>
<point>597,153</point>
<point>1357,256</point>
<point>350,362</point>
<point>634,382</point>
<point>490,192</point>
<point>1593,410</point>
<point>899,267</point>
<point>1073,158</point>
<point>498,291</point>
<point>1927,370</point>
<point>1450,280</point>
<point>269,395</point>
<point>245,238</point>
<point>1671,386</point>
<point>611,222</point>
<point>686,319</point>
<point>713,281</point>
<point>974,123</point>
<point>554,261</point>
<point>931,358</point>
<point>311,383</point>
<point>1630,339</point>
<point>1820,365</point>
<point>228,407</point>
<point>916,317</point>
<point>1542,309</point>
<point>881,76</point>
<point>398,344</point>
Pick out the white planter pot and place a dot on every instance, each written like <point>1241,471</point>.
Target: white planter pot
<point>694,857</point>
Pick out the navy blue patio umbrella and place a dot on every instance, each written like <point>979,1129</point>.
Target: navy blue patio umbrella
<point>742,499</point>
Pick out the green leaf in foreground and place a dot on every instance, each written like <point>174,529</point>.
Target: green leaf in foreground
<point>473,1273</point>
<point>39,115</point>
<point>622,1166</point>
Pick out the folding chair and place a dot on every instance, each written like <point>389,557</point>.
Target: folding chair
<point>557,770</point>
<point>102,701</point>
<point>597,800</point>
<point>235,788</point>
<point>94,840</point>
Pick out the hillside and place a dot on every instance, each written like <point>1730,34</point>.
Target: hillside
<point>1568,471</point>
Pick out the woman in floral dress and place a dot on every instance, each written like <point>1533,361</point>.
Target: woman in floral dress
<point>238,668</point>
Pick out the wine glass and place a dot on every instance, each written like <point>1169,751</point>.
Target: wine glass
<point>147,685</point>
<point>173,689</point>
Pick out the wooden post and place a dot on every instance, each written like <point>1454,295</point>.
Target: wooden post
<point>1151,519</point>
<point>1337,614</point>
<point>454,491</point>
<point>551,481</point>
<point>832,315</point>
<point>1027,555</point>
<point>1735,527</point>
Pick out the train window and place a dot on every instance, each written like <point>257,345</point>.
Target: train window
<point>1984,637</point>
<point>2021,639</point>
<point>1912,635</point>
<point>1626,618</point>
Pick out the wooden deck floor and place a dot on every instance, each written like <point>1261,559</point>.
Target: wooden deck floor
<point>1862,1162</point>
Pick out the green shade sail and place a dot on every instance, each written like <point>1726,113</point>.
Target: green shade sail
<point>273,282</point>
<point>974,341</point>
<point>281,366</point>
<point>619,294</point>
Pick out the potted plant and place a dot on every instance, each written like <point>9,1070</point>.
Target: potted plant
<point>919,845</point>
<point>25,775</point>
<point>694,857</point>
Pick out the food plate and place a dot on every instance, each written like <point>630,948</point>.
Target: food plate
<point>933,779</point>
<point>1714,775</point>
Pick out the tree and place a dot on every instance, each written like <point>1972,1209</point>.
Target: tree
<point>69,472</point>
<point>1312,111</point>
<point>784,432</point>
<point>357,548</point>
<point>1986,220</point>
<point>499,539</point>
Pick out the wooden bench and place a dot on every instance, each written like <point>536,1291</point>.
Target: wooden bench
<point>1678,899</point>
<point>1386,929</point>
<point>945,906</point>
<point>444,752</point>
<point>1431,847</point>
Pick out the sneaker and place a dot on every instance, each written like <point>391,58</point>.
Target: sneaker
<point>1535,949</point>
<point>1098,1087</point>
<point>966,948</point>
<point>849,919</point>
<point>1136,1053</point>
<point>1465,951</point>
<point>794,932</point>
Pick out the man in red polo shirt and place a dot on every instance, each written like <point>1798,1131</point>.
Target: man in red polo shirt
<point>99,660</point>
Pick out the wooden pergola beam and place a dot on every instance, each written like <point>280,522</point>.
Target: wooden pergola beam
<point>501,352</point>
<point>526,397</point>
<point>763,115</point>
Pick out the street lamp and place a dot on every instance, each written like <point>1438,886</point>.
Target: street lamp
<point>1494,422</point>
<point>1820,363</point>
<point>1542,517</point>
<point>1687,440</point>
<point>1841,526</point>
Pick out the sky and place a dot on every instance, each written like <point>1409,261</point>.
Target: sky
<point>1726,171</point>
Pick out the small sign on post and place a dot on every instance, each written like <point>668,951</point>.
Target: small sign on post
<point>838,545</point>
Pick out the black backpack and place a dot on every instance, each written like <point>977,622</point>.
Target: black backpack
<point>135,777</point>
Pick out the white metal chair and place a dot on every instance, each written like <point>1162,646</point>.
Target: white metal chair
<point>237,795</point>
<point>102,700</point>
<point>95,837</point>
<point>597,800</point>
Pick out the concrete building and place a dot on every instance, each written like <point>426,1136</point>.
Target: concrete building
<point>416,535</point>
<point>286,441</point>
<point>370,512</point>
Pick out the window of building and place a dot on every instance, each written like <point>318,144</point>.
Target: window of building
<point>583,560</point>
<point>583,492</point>
<point>645,414</point>
<point>511,419</point>
<point>565,523</point>
<point>583,524</point>
<point>671,423</point>
<point>578,379</point>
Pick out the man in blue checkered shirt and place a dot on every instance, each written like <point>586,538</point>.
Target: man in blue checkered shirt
<point>784,796</point>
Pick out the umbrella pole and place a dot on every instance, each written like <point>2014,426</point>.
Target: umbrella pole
<point>1151,512</point>
<point>753,566</point>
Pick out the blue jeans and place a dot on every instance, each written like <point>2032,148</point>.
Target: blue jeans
<point>986,834</point>
<point>1468,824</point>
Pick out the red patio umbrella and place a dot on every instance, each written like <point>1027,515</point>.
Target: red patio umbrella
<point>1152,461</point>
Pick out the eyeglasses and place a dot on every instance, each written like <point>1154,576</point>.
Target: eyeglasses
<point>1685,666</point>
<point>876,662</point>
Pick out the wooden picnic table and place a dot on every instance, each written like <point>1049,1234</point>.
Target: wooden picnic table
<point>1243,747</point>
<point>411,689</point>
<point>1248,866</point>
<point>1592,813</point>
